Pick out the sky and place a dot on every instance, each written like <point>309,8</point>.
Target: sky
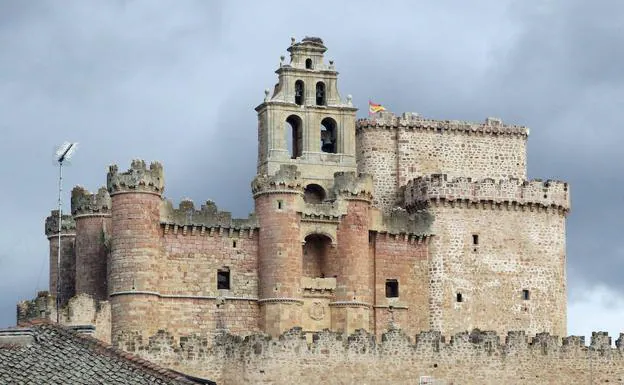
<point>177,81</point>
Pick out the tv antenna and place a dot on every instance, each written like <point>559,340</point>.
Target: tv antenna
<point>63,154</point>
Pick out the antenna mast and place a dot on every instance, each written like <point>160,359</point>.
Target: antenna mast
<point>63,154</point>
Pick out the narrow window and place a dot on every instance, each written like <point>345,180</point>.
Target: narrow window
<point>280,204</point>
<point>459,298</point>
<point>234,244</point>
<point>309,63</point>
<point>392,288</point>
<point>525,294</point>
<point>320,94</point>
<point>223,279</point>
<point>475,239</point>
<point>299,92</point>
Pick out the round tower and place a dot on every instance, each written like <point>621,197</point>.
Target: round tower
<point>67,262</point>
<point>354,294</point>
<point>92,215</point>
<point>279,253</point>
<point>135,246</point>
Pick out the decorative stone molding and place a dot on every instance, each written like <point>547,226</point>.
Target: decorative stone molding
<point>280,300</point>
<point>286,180</point>
<point>350,304</point>
<point>83,203</point>
<point>138,178</point>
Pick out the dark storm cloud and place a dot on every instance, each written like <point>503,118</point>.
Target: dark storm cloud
<point>177,82</point>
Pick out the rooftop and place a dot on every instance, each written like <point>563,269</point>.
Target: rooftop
<point>46,353</point>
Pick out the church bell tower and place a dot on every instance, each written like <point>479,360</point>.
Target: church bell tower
<point>304,122</point>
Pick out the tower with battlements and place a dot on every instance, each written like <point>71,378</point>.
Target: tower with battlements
<point>390,223</point>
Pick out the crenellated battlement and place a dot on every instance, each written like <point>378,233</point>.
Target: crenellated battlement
<point>138,178</point>
<point>436,189</point>
<point>286,180</point>
<point>207,216</point>
<point>400,221</point>
<point>68,225</point>
<point>84,203</point>
<point>351,185</point>
<point>412,121</point>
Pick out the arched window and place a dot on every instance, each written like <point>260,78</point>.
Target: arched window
<point>328,136</point>
<point>294,136</point>
<point>309,63</point>
<point>299,92</point>
<point>320,94</point>
<point>317,257</point>
<point>313,193</point>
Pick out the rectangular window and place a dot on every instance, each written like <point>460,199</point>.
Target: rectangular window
<point>459,297</point>
<point>223,279</point>
<point>234,244</point>
<point>392,288</point>
<point>525,295</point>
<point>280,205</point>
<point>475,239</point>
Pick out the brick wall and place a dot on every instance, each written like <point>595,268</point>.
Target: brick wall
<point>405,260</point>
<point>92,233</point>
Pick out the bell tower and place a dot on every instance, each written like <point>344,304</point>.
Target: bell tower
<point>304,122</point>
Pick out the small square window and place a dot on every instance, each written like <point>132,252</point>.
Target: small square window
<point>526,295</point>
<point>392,288</point>
<point>459,297</point>
<point>223,279</point>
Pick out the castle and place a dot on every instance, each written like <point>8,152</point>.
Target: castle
<point>387,226</point>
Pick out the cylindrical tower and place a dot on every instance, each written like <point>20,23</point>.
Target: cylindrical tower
<point>135,246</point>
<point>280,253</point>
<point>68,258</point>
<point>354,294</point>
<point>92,215</point>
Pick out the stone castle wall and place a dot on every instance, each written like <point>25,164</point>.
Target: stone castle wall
<point>473,358</point>
<point>396,150</point>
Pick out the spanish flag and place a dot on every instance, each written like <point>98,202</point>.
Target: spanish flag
<point>374,108</point>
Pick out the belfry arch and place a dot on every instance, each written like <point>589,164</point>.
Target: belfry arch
<point>293,132</point>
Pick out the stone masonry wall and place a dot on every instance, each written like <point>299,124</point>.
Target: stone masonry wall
<point>397,149</point>
<point>404,259</point>
<point>518,249</point>
<point>475,358</point>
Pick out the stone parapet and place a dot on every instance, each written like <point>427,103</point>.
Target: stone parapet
<point>84,203</point>
<point>207,216</point>
<point>435,189</point>
<point>68,225</point>
<point>138,178</point>
<point>351,185</point>
<point>414,121</point>
<point>400,221</point>
<point>286,180</point>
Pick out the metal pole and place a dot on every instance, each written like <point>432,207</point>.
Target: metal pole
<point>58,257</point>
